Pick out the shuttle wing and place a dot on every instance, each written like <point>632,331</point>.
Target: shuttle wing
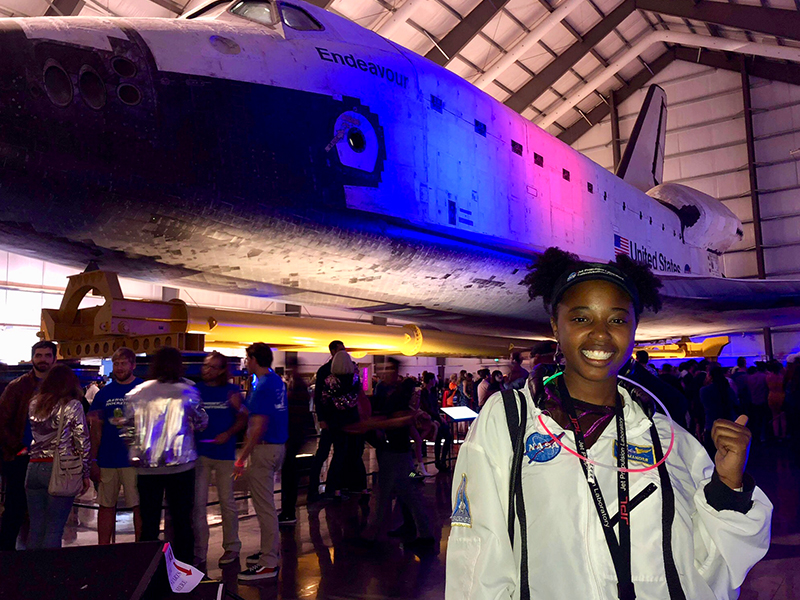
<point>706,305</point>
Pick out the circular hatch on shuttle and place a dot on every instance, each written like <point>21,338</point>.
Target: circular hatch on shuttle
<point>356,141</point>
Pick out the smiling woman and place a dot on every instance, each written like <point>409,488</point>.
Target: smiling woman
<point>698,526</point>
<point>594,309</point>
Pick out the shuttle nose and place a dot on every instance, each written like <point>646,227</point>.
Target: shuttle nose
<point>13,57</point>
<point>47,67</point>
<point>72,91</point>
<point>77,114</point>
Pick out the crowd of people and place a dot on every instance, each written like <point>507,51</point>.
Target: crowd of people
<point>165,440</point>
<point>159,440</point>
<point>768,392</point>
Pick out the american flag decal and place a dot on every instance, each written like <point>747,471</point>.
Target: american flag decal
<point>621,245</point>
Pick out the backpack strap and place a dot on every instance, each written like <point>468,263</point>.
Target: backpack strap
<point>667,518</point>
<point>512,419</point>
<point>517,423</point>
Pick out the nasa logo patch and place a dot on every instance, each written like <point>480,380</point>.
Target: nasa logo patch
<point>541,448</point>
<point>461,516</point>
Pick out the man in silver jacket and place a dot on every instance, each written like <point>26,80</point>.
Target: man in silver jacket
<point>161,416</point>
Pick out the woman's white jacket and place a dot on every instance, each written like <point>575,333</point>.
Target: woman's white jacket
<point>568,556</point>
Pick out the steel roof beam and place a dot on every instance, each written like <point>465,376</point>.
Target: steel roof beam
<point>529,92</point>
<point>574,32</point>
<point>463,33</point>
<point>63,8</point>
<point>769,21</point>
<point>601,111</point>
<point>765,69</point>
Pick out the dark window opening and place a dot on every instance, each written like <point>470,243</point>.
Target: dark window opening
<point>565,174</point>
<point>298,19</point>
<point>451,212</point>
<point>605,195</point>
<point>129,94</point>
<point>123,67</point>
<point>640,215</point>
<point>356,140</point>
<point>538,160</point>
<point>623,206</point>
<point>516,147</point>
<point>590,187</point>
<point>651,220</point>
<point>93,90</point>
<point>436,103</point>
<point>480,128</point>
<point>58,85</point>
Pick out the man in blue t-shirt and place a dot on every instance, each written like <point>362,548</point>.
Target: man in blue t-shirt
<point>110,465</point>
<point>266,438</point>
<point>216,450</point>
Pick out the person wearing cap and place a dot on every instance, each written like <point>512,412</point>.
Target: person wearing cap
<point>587,491</point>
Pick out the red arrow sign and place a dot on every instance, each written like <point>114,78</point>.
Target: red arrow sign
<point>182,570</point>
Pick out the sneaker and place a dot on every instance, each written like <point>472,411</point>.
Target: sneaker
<point>286,520</point>
<point>228,557</point>
<point>256,572</point>
<point>253,559</point>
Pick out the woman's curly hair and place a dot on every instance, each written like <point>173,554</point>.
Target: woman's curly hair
<point>544,272</point>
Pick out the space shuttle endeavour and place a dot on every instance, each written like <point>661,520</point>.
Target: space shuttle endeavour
<point>274,148</point>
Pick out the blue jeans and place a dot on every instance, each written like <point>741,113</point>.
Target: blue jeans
<point>48,513</point>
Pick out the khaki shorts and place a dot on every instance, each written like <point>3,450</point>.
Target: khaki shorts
<point>110,481</point>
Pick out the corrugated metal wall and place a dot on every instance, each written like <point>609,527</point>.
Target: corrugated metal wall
<point>776,126</point>
<point>706,149</point>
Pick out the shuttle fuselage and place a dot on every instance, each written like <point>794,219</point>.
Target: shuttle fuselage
<point>311,165</point>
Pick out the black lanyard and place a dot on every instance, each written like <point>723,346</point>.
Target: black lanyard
<point>620,550</point>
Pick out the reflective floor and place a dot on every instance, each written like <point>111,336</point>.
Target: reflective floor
<point>777,576</point>
<point>320,559</point>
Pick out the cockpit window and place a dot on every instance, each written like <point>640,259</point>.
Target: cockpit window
<point>297,18</point>
<point>258,11</point>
